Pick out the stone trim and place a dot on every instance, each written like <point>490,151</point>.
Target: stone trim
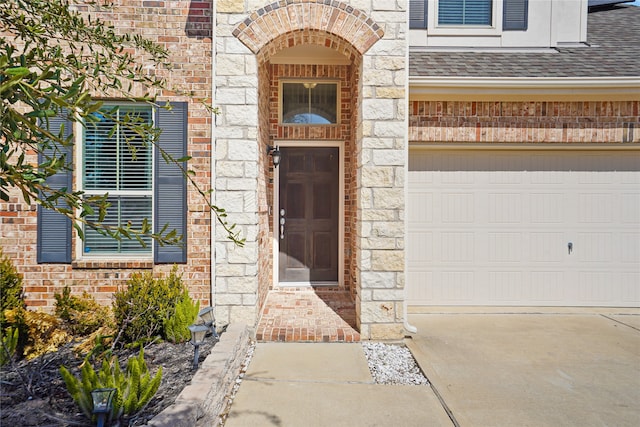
<point>202,402</point>
<point>328,16</point>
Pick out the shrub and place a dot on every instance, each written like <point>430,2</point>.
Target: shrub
<point>11,295</point>
<point>134,387</point>
<point>141,309</point>
<point>43,332</point>
<point>81,315</point>
<point>176,327</point>
<point>9,344</point>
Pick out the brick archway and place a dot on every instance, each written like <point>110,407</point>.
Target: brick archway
<point>292,16</point>
<point>310,37</point>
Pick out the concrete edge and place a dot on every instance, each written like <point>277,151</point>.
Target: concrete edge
<point>202,401</point>
<point>416,309</point>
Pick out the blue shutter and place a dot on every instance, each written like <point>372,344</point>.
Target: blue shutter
<point>170,186</point>
<point>54,229</point>
<point>516,15</point>
<point>418,13</point>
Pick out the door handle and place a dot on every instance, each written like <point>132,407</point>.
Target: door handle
<point>282,221</point>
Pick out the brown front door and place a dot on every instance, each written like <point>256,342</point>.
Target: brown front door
<point>308,214</point>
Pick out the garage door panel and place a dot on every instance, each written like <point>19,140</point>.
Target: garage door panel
<point>501,223</point>
<point>547,287</point>
<point>422,293</point>
<point>546,208</point>
<point>420,248</point>
<point>630,208</point>
<point>629,289</point>
<point>457,208</point>
<point>631,253</point>
<point>507,287</point>
<point>595,248</point>
<point>455,247</point>
<point>422,214</point>
<point>597,208</point>
<point>505,208</point>
<point>459,286</point>
<point>547,248</point>
<point>505,247</point>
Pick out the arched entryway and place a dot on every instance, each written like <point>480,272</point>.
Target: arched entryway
<point>317,213</point>
<point>311,96</point>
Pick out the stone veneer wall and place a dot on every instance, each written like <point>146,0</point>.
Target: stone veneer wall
<point>381,157</point>
<point>525,122</point>
<point>184,28</point>
<point>372,34</point>
<point>239,171</point>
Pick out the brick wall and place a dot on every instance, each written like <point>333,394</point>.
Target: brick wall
<point>340,132</point>
<point>528,122</point>
<point>184,28</point>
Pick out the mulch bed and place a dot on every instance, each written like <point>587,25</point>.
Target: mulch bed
<point>37,395</point>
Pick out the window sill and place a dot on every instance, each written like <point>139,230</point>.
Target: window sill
<point>464,30</point>
<point>90,264</point>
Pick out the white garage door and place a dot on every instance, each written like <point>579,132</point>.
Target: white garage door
<point>514,227</point>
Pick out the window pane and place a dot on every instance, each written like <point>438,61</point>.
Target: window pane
<point>100,153</point>
<point>135,152</point>
<point>309,103</point>
<point>116,157</point>
<point>464,12</point>
<point>123,210</point>
<point>118,161</point>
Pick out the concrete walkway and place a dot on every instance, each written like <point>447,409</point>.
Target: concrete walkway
<point>549,368</point>
<point>574,368</point>
<point>309,384</point>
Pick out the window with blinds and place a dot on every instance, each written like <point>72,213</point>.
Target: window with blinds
<point>465,12</point>
<point>119,161</point>
<point>309,103</point>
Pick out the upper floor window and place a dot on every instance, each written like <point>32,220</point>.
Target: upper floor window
<point>464,12</point>
<point>469,13</point>
<point>313,103</point>
<point>118,161</point>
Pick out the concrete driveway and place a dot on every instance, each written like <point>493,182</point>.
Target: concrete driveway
<point>549,368</point>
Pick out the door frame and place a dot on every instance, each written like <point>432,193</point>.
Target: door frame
<point>276,204</point>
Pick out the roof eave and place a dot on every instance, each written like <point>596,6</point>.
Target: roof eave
<point>541,88</point>
<point>526,82</point>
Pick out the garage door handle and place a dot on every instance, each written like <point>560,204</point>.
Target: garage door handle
<point>570,247</point>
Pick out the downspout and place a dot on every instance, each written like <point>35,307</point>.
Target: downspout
<point>407,326</point>
<point>213,222</point>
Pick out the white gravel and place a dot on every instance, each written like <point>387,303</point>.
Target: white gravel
<point>392,364</point>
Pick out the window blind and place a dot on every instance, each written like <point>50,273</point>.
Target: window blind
<point>464,12</point>
<point>118,161</point>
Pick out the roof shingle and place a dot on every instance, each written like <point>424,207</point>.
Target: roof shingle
<point>614,51</point>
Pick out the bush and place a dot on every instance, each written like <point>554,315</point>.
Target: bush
<point>81,315</point>
<point>134,387</point>
<point>43,332</point>
<point>176,327</point>
<point>11,295</point>
<point>140,310</point>
<point>9,345</point>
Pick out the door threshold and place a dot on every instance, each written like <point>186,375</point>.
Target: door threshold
<point>306,284</point>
